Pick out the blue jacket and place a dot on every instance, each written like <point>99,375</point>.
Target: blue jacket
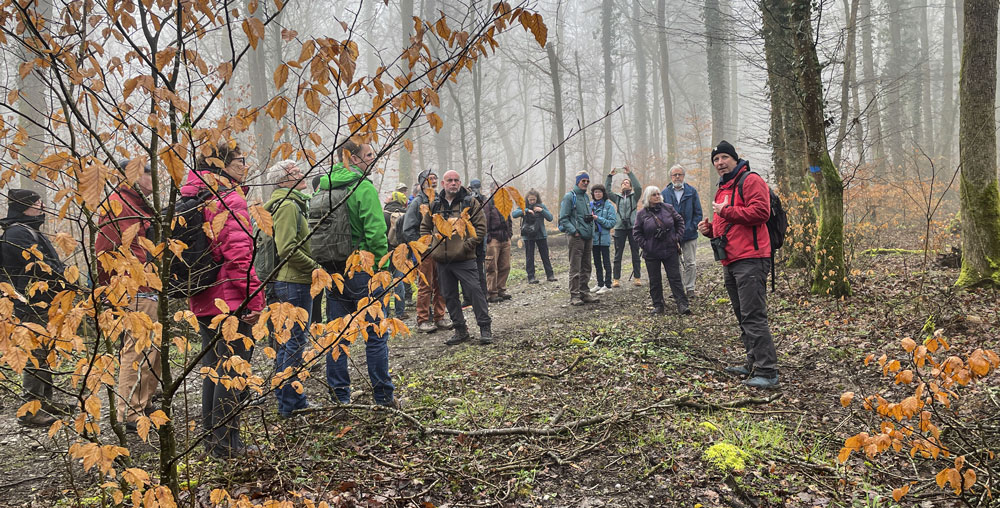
<point>573,208</point>
<point>540,218</point>
<point>689,207</point>
<point>606,219</point>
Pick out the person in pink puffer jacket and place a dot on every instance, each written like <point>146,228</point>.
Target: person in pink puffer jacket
<point>232,246</point>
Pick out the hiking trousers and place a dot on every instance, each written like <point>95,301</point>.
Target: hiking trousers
<point>497,267</point>
<point>429,292</point>
<point>671,265</point>
<point>220,406</point>
<point>580,252</point>
<point>621,236</point>
<point>140,370</point>
<point>466,273</point>
<point>746,282</point>
<point>688,272</point>
<point>529,257</point>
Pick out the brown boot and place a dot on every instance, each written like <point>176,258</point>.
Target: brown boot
<point>40,419</point>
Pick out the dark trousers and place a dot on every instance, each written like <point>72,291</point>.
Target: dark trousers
<point>621,235</point>
<point>529,255</point>
<point>602,263</point>
<point>466,273</point>
<point>37,382</point>
<point>218,403</point>
<point>746,282</point>
<point>672,265</point>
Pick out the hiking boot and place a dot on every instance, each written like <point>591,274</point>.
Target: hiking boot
<point>58,408</point>
<point>494,299</point>
<point>552,278</point>
<point>461,335</point>
<point>485,335</point>
<point>40,419</point>
<point>589,298</point>
<point>658,310</point>
<point>768,383</point>
<point>396,403</point>
<point>616,283</point>
<point>690,294</point>
<point>575,301</point>
<point>444,324</point>
<point>684,311</point>
<point>532,281</point>
<point>427,327</point>
<point>505,296</point>
<point>739,370</point>
<point>637,282</point>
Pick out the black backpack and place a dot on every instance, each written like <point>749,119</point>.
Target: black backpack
<point>195,270</point>
<point>777,223</point>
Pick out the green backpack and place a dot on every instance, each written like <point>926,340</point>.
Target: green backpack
<point>265,254</point>
<point>330,222</point>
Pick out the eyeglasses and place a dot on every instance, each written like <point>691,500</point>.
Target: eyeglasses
<point>243,160</point>
<point>585,180</point>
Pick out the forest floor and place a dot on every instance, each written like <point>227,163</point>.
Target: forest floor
<point>601,405</point>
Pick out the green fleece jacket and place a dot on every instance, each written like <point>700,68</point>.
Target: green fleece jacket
<point>289,210</point>
<point>365,209</point>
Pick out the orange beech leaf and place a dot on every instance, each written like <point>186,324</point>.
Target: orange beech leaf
<point>846,398</point>
<point>898,494</point>
<point>908,344</point>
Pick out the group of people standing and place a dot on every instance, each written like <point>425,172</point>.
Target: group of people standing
<point>344,214</point>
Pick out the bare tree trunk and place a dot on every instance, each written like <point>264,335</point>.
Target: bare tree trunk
<point>668,103</point>
<point>874,113</point>
<point>641,100</point>
<point>927,117</point>
<point>718,75</point>
<point>732,57</point>
<point>461,133</point>
<point>845,84</point>
<point>260,93</point>
<point>830,273</point>
<point>550,50</point>
<point>978,147</point>
<point>33,111</point>
<point>894,73</point>
<point>787,136</point>
<point>405,158</point>
<point>947,135</point>
<point>585,163</point>
<point>607,10</point>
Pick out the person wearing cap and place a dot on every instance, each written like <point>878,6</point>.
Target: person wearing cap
<point>576,220</point>
<point>140,367</point>
<point>499,231</point>
<point>430,302</point>
<point>22,230</point>
<point>739,219</point>
<point>394,212</point>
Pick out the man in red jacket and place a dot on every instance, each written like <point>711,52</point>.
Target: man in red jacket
<point>140,366</point>
<point>740,219</point>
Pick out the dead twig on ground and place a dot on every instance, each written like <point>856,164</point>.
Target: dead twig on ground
<point>536,373</point>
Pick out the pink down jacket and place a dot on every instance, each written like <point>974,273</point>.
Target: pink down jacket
<point>233,247</point>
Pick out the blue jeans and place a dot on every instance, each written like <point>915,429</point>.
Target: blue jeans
<point>400,291</point>
<point>289,354</point>
<point>376,348</point>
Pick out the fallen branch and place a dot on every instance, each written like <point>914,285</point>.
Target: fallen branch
<point>734,404</point>
<point>535,373</point>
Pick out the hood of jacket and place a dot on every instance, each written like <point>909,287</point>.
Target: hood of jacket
<point>35,222</point>
<point>340,176</point>
<point>283,193</point>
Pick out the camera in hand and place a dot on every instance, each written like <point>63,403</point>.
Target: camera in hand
<point>588,218</point>
<point>719,247</point>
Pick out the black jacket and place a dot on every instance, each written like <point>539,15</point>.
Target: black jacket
<point>18,236</point>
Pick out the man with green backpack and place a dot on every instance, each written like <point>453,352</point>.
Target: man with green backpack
<point>289,208</point>
<point>346,214</point>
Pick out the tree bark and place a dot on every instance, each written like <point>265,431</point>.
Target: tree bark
<point>405,157</point>
<point>946,136</point>
<point>585,163</point>
<point>607,10</point>
<point>873,115</point>
<point>787,136</point>
<point>261,91</point>
<point>33,111</point>
<point>477,111</point>
<point>718,75</point>
<point>641,99</point>
<point>830,273</point>
<point>845,84</point>
<point>927,111</point>
<point>894,73</point>
<point>668,102</point>
<point>978,147</point>
<point>557,119</point>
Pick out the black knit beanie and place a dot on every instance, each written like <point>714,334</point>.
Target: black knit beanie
<point>726,148</point>
<point>20,200</point>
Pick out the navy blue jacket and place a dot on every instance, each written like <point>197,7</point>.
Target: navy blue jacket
<point>689,207</point>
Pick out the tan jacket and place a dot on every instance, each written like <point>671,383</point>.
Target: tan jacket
<point>456,248</point>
